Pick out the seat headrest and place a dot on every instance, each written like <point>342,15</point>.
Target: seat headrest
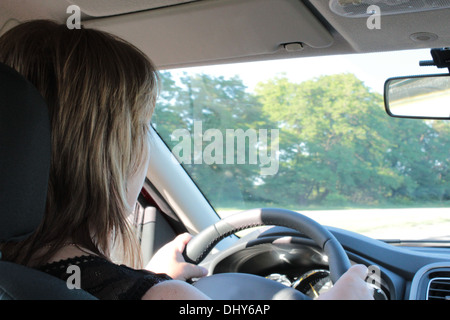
<point>25,151</point>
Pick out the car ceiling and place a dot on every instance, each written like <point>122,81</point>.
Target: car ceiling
<point>177,33</point>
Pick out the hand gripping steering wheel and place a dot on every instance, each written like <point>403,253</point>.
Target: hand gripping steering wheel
<point>245,286</point>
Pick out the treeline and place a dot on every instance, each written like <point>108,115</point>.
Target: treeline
<point>337,146</point>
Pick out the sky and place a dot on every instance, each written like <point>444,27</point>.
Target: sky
<point>373,68</point>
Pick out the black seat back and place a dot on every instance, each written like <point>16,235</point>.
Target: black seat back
<point>25,150</point>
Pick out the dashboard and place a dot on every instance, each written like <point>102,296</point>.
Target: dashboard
<point>396,271</point>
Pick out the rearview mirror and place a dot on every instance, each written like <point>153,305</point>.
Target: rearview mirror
<point>422,97</point>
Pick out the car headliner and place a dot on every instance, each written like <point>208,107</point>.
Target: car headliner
<point>177,33</point>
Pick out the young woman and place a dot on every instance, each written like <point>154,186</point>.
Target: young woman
<point>101,92</point>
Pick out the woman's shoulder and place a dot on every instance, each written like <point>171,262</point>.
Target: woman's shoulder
<point>103,278</point>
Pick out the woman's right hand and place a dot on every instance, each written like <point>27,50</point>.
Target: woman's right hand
<point>350,286</point>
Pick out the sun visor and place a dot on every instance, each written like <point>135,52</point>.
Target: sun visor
<point>204,31</point>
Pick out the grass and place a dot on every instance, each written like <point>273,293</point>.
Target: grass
<point>381,221</point>
<point>250,205</point>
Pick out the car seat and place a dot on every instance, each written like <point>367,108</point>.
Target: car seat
<point>25,150</point>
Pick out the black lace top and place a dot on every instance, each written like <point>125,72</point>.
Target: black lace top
<point>104,279</point>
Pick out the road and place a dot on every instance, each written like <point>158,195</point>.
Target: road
<point>405,224</point>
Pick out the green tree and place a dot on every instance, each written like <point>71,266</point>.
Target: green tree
<point>336,139</point>
<point>337,145</point>
<point>420,156</point>
<point>219,104</point>
<point>168,115</point>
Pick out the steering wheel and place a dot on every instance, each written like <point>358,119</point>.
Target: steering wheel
<point>239,286</point>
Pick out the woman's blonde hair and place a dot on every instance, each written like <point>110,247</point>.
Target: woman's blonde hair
<point>101,93</point>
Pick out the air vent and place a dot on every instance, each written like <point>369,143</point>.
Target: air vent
<point>439,289</point>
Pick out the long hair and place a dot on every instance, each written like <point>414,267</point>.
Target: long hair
<point>101,92</point>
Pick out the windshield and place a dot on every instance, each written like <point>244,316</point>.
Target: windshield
<point>311,135</point>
